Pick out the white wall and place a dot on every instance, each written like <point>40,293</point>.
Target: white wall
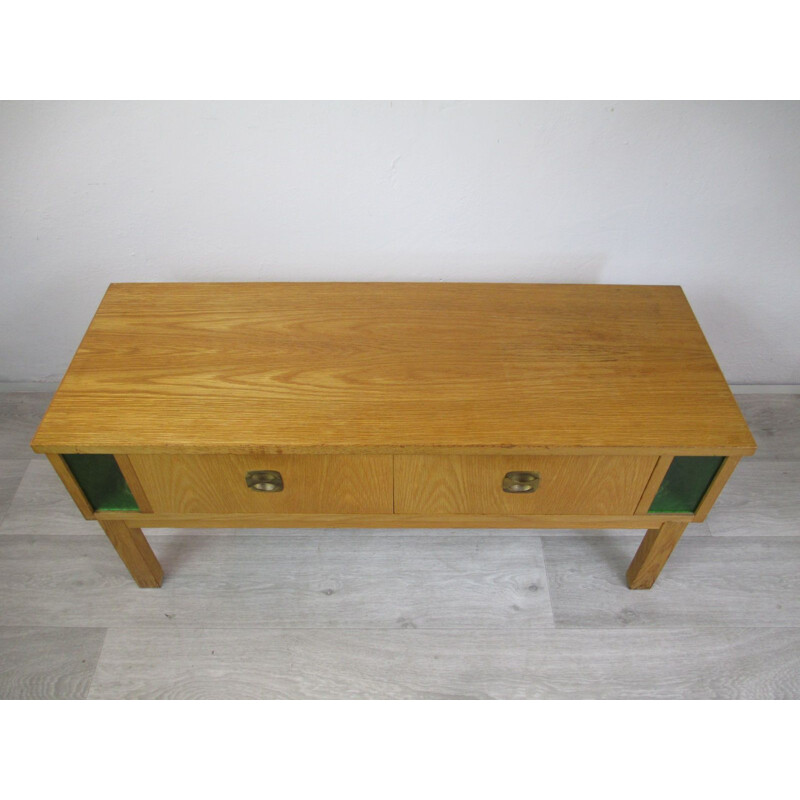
<point>706,195</point>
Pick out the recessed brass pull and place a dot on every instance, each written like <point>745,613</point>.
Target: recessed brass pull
<point>264,480</point>
<point>516,482</point>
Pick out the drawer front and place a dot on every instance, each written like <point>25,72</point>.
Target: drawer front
<point>566,484</point>
<point>216,484</point>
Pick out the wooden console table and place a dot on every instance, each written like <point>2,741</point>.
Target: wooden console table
<point>393,405</point>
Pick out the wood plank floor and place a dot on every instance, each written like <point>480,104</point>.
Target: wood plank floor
<point>11,472</point>
<point>403,614</point>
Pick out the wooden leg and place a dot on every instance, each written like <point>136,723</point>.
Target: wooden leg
<point>134,550</point>
<point>653,553</point>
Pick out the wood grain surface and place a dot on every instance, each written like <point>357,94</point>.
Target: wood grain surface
<point>42,663</point>
<point>674,663</point>
<point>397,613</point>
<point>20,413</point>
<point>135,552</point>
<point>295,520</point>
<point>11,472</point>
<point>355,579</point>
<point>652,555</point>
<point>761,499</point>
<point>134,484</point>
<point>388,368</point>
<point>653,484</point>
<point>312,484</point>
<point>473,484</point>
<point>752,581</point>
<point>71,485</point>
<point>41,506</point>
<point>772,418</point>
<point>716,487</point>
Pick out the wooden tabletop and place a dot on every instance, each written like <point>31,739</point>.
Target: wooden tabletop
<point>388,367</point>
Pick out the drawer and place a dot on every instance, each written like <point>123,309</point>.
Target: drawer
<point>313,484</point>
<point>566,484</point>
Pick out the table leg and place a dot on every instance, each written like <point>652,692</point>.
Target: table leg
<point>135,552</point>
<point>653,553</point>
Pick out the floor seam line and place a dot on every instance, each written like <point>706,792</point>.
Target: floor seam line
<point>96,664</point>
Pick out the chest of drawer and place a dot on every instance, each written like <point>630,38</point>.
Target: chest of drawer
<point>392,409</point>
<point>255,484</point>
<point>520,484</point>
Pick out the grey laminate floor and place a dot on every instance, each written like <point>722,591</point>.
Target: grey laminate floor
<point>403,614</point>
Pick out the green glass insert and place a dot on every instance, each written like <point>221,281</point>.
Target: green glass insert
<point>684,485</point>
<point>101,480</point>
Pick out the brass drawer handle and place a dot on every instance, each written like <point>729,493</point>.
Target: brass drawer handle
<point>264,480</point>
<point>516,482</point>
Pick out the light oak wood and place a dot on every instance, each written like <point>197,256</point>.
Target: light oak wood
<point>377,450</point>
<point>312,484</point>
<point>135,552</point>
<point>134,484</point>
<point>240,368</point>
<point>594,485</point>
<point>531,521</point>
<point>717,485</point>
<point>653,552</point>
<point>394,404</point>
<point>653,485</point>
<point>71,485</point>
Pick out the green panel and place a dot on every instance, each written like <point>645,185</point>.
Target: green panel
<point>684,485</point>
<point>101,481</point>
